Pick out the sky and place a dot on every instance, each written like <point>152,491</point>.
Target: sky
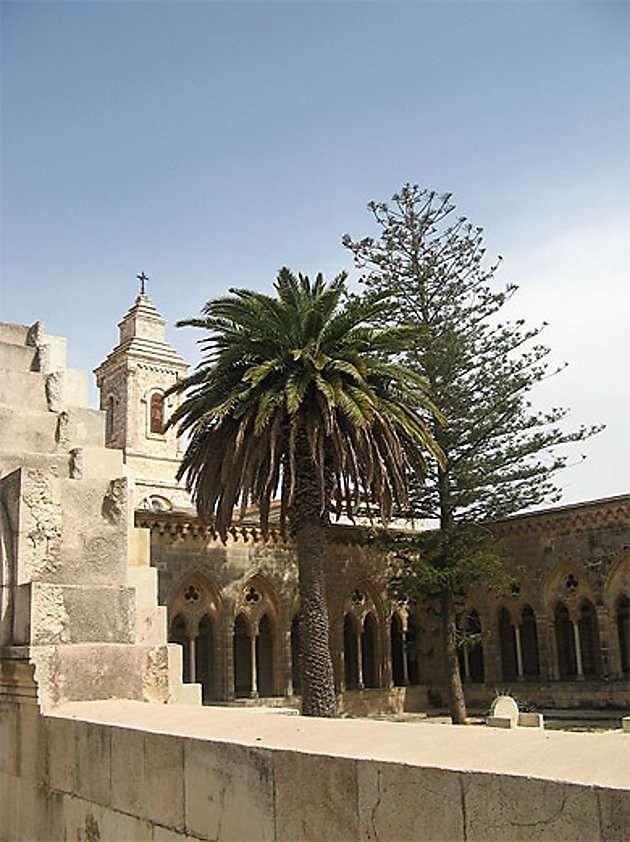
<point>209,144</point>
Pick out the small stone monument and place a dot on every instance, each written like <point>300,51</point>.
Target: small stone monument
<point>625,724</point>
<point>503,713</point>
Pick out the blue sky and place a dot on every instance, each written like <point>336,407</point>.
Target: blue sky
<point>210,143</point>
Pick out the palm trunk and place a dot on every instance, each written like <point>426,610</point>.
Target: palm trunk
<point>456,700</point>
<point>308,527</point>
<point>318,686</point>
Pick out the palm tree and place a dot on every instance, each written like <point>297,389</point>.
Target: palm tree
<point>296,395</point>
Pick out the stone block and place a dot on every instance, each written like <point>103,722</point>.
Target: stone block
<point>85,427</point>
<point>139,544</point>
<point>625,724</point>
<point>144,580</point>
<point>9,751</point>
<point>323,806</point>
<point>33,744</point>
<point>151,625</point>
<point>38,813</point>
<point>185,694</point>
<point>23,388</point>
<point>33,432</point>
<point>100,462</point>
<point>49,614</point>
<point>18,357</point>
<point>76,387</point>
<point>127,765</point>
<point>103,671</point>
<point>531,720</point>
<point>61,751</point>
<point>405,803</point>
<point>163,797</point>
<point>93,762</point>
<point>614,807</point>
<point>500,722</point>
<point>13,334</point>
<point>229,791</point>
<point>8,817</point>
<point>88,822</point>
<point>504,807</point>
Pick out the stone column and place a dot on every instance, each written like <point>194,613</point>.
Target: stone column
<point>228,637</point>
<point>288,663</point>
<point>554,665</point>
<point>254,691</point>
<point>192,659</point>
<point>578,650</point>
<point>388,668</point>
<point>360,684</point>
<point>519,652</point>
<point>405,662</point>
<point>466,664</point>
<point>609,664</point>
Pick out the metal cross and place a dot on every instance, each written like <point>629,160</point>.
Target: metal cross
<point>142,278</point>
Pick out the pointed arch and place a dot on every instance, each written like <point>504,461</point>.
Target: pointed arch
<point>588,631</point>
<point>565,641</point>
<point>529,643</point>
<point>622,617</point>
<point>397,647</point>
<point>369,651</point>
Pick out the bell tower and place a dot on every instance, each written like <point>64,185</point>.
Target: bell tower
<point>132,382</point>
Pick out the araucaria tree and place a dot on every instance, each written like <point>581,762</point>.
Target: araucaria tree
<point>296,395</point>
<point>501,456</point>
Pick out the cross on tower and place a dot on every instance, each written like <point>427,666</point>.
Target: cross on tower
<point>142,278</point>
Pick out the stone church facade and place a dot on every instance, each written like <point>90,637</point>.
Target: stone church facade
<point>561,639</point>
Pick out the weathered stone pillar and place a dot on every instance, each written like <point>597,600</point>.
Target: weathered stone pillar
<point>288,663</point>
<point>519,652</point>
<point>578,650</point>
<point>405,662</point>
<point>607,649</point>
<point>360,683</point>
<point>228,637</point>
<point>254,691</point>
<point>388,672</point>
<point>466,664</point>
<point>192,659</point>
<point>554,660</point>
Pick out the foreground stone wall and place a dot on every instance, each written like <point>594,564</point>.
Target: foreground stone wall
<point>68,779</point>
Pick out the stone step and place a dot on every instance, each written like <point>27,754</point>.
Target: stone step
<point>55,463</point>
<point>45,432</point>
<point>144,580</point>
<point>13,334</point>
<point>23,389</point>
<point>185,694</point>
<point>18,357</point>
<point>93,531</point>
<point>30,432</point>
<point>180,693</point>
<point>151,623</point>
<point>49,614</point>
<point>98,462</point>
<point>82,672</point>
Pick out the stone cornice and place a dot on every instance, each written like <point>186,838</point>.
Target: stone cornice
<point>181,526</point>
<point>581,517</point>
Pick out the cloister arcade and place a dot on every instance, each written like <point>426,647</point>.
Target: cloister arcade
<point>259,653</point>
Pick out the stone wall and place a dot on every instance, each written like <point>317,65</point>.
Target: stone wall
<point>69,777</point>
